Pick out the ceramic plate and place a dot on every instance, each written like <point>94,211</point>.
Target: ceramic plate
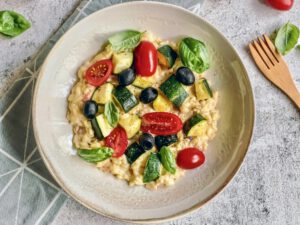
<point>102,192</point>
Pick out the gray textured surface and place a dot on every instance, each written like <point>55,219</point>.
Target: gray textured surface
<point>267,188</point>
<point>45,16</point>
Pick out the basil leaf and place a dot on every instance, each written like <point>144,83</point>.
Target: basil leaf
<point>167,159</point>
<point>125,40</point>
<point>111,113</point>
<point>152,169</point>
<point>12,23</point>
<point>193,54</point>
<point>286,38</point>
<point>95,155</point>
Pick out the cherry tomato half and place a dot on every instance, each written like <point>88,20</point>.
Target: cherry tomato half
<point>190,158</point>
<point>281,4</point>
<point>99,72</point>
<point>145,59</point>
<point>161,123</point>
<point>117,140</point>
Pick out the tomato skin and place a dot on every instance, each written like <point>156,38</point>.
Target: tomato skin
<point>161,123</point>
<point>99,72</point>
<point>281,4</point>
<point>190,158</point>
<point>117,140</point>
<point>145,59</point>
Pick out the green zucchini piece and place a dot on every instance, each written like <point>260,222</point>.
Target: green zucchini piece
<point>122,61</point>
<point>102,94</point>
<point>103,125</point>
<point>97,132</point>
<point>166,140</point>
<point>133,152</point>
<point>166,56</point>
<point>124,98</point>
<point>195,126</point>
<point>131,124</point>
<point>152,168</point>
<point>162,104</point>
<point>143,82</point>
<point>167,159</point>
<point>203,90</point>
<point>174,91</point>
<point>95,155</point>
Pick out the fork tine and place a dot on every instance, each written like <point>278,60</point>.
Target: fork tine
<point>267,51</point>
<point>262,54</point>
<point>259,62</point>
<point>272,48</point>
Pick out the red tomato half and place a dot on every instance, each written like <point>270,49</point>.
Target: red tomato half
<point>117,140</point>
<point>145,59</point>
<point>161,123</point>
<point>99,72</point>
<point>190,158</point>
<point>281,4</point>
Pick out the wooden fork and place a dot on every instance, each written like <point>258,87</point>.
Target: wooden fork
<point>273,66</point>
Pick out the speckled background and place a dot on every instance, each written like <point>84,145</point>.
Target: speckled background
<point>267,188</point>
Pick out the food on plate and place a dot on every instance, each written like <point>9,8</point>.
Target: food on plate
<point>143,110</point>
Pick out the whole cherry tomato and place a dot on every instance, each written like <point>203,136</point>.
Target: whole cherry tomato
<point>281,4</point>
<point>99,72</point>
<point>190,158</point>
<point>145,59</point>
<point>117,140</point>
<point>161,123</point>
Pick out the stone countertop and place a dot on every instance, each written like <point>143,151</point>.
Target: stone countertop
<point>266,190</point>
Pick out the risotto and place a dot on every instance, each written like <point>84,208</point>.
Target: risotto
<point>142,109</point>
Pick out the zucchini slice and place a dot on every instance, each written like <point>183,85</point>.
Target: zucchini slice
<point>104,126</point>
<point>195,126</point>
<point>97,132</point>
<point>166,56</point>
<point>131,124</point>
<point>122,61</point>
<point>143,82</point>
<point>124,98</point>
<point>174,91</point>
<point>203,90</point>
<point>133,152</point>
<point>162,104</point>
<point>152,168</point>
<point>166,140</point>
<point>102,95</point>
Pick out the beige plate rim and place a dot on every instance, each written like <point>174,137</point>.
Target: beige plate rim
<point>156,220</point>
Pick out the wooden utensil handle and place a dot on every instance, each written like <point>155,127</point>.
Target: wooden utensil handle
<point>294,96</point>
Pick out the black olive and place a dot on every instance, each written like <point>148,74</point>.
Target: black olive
<point>148,95</point>
<point>90,109</point>
<point>165,140</point>
<point>126,77</point>
<point>146,141</point>
<point>185,76</point>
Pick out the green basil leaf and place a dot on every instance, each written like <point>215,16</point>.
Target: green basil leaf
<point>111,113</point>
<point>12,23</point>
<point>167,159</point>
<point>95,155</point>
<point>125,40</point>
<point>286,38</point>
<point>193,54</point>
<point>152,169</point>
